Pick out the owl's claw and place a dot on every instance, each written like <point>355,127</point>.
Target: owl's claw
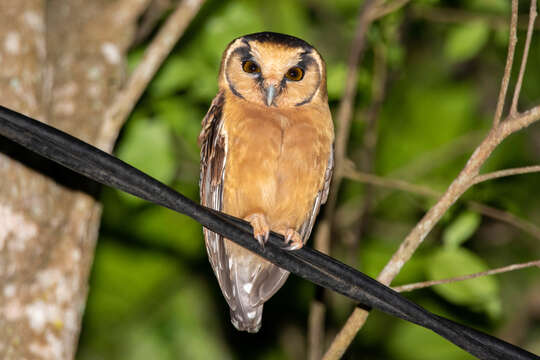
<point>293,239</point>
<point>261,229</point>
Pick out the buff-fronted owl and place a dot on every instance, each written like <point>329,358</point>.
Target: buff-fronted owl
<point>266,157</point>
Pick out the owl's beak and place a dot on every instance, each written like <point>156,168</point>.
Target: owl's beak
<point>270,94</point>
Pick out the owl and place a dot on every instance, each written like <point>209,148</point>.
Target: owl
<point>266,157</point>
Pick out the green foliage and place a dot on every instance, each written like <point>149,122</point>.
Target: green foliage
<point>480,293</point>
<point>376,254</point>
<point>461,229</point>
<point>496,6</point>
<point>410,129</point>
<point>147,145</point>
<point>466,40</point>
<point>410,342</point>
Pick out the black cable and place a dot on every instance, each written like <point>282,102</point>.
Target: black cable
<point>306,262</point>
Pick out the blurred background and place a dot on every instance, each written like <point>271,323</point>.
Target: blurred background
<point>427,88</point>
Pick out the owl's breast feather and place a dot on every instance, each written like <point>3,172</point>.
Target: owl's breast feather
<point>275,164</point>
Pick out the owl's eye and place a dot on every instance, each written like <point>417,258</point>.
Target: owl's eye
<point>295,74</point>
<point>250,67</point>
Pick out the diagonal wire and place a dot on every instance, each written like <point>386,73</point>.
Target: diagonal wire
<point>306,263</point>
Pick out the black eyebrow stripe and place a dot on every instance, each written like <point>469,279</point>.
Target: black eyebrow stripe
<point>306,60</point>
<point>240,50</point>
<point>243,51</point>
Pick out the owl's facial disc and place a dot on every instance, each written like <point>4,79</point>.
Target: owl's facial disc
<point>273,74</point>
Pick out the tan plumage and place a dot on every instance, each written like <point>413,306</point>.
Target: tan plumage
<point>267,157</point>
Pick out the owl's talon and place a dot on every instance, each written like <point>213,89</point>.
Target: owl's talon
<point>293,239</point>
<point>261,229</point>
<point>261,240</point>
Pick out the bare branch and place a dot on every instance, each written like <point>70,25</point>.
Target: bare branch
<point>385,9</point>
<point>343,122</point>
<point>345,335</point>
<point>397,184</point>
<point>150,19</point>
<point>429,160</point>
<point>506,217</point>
<point>369,143</point>
<point>483,209</point>
<point>512,40</point>
<point>345,110</point>
<point>506,172</point>
<point>316,330</point>
<point>153,57</point>
<point>530,28</point>
<point>425,284</point>
<point>454,15</point>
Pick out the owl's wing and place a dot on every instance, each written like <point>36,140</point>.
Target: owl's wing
<point>213,156</point>
<point>320,199</point>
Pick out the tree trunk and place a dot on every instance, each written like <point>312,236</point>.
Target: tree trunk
<point>61,61</point>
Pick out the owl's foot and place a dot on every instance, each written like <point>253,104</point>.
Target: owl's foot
<point>293,239</point>
<point>261,229</point>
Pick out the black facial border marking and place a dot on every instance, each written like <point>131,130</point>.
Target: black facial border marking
<point>308,60</point>
<point>244,53</point>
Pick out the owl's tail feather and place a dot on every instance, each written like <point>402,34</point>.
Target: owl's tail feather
<point>252,281</point>
<point>249,320</point>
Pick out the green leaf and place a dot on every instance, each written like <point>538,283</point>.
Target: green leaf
<point>461,229</point>
<point>466,40</point>
<point>411,342</point>
<point>184,118</point>
<point>134,57</point>
<point>408,125</point>
<point>124,278</point>
<point>337,74</point>
<point>175,74</point>
<point>496,6</point>
<point>375,254</point>
<point>147,145</point>
<point>481,293</point>
<point>159,226</point>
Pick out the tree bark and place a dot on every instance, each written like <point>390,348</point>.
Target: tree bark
<point>62,62</point>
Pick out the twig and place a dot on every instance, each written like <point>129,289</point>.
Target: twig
<point>483,209</point>
<point>530,28</point>
<point>370,141</point>
<point>343,122</point>
<point>429,160</point>
<point>344,112</point>
<point>425,284</point>
<point>506,217</point>
<point>351,173</point>
<point>506,172</point>
<point>407,248</point>
<point>315,345</point>
<point>153,57</point>
<point>385,9</point>
<point>149,20</point>
<point>512,40</point>
<point>453,15</point>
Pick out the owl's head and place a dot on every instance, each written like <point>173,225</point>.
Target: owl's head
<point>272,69</point>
